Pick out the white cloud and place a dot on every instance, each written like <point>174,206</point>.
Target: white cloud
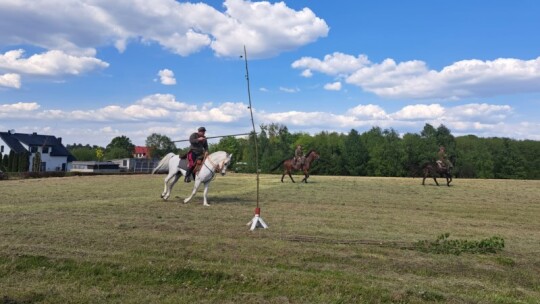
<point>296,118</point>
<point>80,27</point>
<point>263,90</point>
<point>370,111</point>
<point>167,77</point>
<point>289,90</point>
<point>307,73</point>
<point>49,63</point>
<point>266,29</point>
<point>482,112</point>
<point>167,101</point>
<point>162,113</point>
<point>416,112</point>
<point>335,64</point>
<point>18,107</point>
<point>413,79</point>
<point>334,86</point>
<point>10,80</point>
<point>225,113</point>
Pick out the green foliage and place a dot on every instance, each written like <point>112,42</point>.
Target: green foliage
<point>24,162</point>
<point>116,153</point>
<point>376,152</point>
<point>160,145</point>
<point>443,245</point>
<point>355,154</point>
<point>36,162</point>
<point>5,162</point>
<point>13,162</point>
<point>119,147</point>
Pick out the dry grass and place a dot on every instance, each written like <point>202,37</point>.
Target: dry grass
<point>111,239</point>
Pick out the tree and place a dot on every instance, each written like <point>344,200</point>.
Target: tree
<point>36,163</point>
<point>355,153</point>
<point>116,153</point>
<point>122,147</point>
<point>475,160</point>
<point>160,145</point>
<point>83,153</point>
<point>509,162</point>
<point>12,162</point>
<point>5,162</point>
<point>24,162</point>
<point>229,144</point>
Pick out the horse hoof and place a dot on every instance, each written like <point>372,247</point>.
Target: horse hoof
<point>206,205</point>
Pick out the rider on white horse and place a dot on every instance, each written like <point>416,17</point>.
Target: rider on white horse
<point>198,147</point>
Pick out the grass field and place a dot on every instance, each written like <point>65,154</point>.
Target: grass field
<point>110,239</point>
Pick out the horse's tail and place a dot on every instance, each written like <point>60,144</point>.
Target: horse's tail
<point>278,165</point>
<point>163,162</point>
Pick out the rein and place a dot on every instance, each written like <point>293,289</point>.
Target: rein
<point>212,170</point>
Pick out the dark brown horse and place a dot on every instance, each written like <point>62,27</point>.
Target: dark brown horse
<point>433,170</point>
<point>288,166</point>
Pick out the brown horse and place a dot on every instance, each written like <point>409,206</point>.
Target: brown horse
<point>288,165</point>
<point>433,170</point>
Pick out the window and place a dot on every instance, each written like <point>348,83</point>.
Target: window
<point>33,149</point>
<point>1,149</point>
<point>45,150</point>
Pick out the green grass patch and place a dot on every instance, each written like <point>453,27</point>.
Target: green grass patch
<point>111,239</point>
<point>444,245</point>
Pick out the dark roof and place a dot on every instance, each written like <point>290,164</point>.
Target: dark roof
<point>14,140</point>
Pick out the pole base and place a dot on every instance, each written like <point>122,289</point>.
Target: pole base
<point>257,221</point>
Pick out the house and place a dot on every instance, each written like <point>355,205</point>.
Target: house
<point>136,164</point>
<point>141,152</point>
<point>54,156</point>
<point>94,166</point>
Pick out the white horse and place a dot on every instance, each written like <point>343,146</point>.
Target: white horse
<point>215,162</point>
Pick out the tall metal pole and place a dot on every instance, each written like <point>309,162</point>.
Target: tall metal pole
<point>253,125</point>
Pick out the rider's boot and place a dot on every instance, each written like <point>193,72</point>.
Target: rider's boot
<point>187,179</point>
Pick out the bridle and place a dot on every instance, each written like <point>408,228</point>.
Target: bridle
<point>215,167</point>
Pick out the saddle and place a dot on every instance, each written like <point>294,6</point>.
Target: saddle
<point>441,165</point>
<point>186,160</point>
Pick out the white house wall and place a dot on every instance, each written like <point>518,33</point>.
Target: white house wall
<point>6,148</point>
<point>52,163</point>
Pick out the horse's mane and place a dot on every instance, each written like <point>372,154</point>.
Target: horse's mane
<point>310,151</point>
<point>217,154</point>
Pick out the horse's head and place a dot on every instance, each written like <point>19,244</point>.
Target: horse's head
<point>312,154</point>
<point>223,164</point>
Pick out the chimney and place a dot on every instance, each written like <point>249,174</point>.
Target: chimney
<point>59,140</point>
<point>34,133</point>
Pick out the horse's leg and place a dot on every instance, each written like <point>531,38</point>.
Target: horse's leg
<point>195,187</point>
<point>306,175</point>
<point>435,179</point>
<point>206,193</point>
<point>164,187</point>
<point>289,172</point>
<point>173,181</point>
<point>167,191</point>
<point>283,176</point>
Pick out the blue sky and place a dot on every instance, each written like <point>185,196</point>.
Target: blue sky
<point>91,70</point>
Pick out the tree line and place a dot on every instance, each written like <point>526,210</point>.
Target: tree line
<point>20,162</point>
<point>377,152</point>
